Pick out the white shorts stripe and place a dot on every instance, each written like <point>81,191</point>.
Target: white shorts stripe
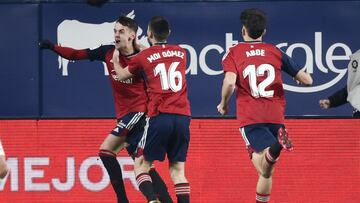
<point>242,132</point>
<point>134,120</point>
<point>143,139</point>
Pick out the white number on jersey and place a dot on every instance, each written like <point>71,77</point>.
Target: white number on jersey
<point>168,79</point>
<point>253,73</point>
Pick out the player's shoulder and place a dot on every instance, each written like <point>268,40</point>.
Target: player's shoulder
<point>103,47</point>
<point>178,48</point>
<point>272,47</point>
<point>237,46</point>
<point>355,56</point>
<point>175,46</point>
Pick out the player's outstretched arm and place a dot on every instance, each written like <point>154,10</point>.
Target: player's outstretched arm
<point>293,69</point>
<point>65,52</point>
<point>121,72</point>
<point>335,100</point>
<point>304,78</point>
<point>226,92</point>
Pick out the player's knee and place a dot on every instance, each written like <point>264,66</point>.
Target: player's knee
<point>104,146</point>
<point>141,166</point>
<point>266,173</point>
<point>177,175</point>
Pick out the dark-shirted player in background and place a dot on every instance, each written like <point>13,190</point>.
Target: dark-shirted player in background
<point>3,166</point>
<point>167,128</point>
<point>130,103</point>
<point>351,92</point>
<point>254,68</point>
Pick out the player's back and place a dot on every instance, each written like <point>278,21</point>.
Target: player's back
<point>164,66</point>
<point>260,94</point>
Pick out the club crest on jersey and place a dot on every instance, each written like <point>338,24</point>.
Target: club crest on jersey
<point>354,65</point>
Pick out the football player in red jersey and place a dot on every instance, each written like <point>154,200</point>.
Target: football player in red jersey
<point>3,166</point>
<point>130,103</point>
<point>254,68</point>
<point>167,128</point>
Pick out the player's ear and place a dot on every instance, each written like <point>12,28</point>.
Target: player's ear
<point>151,35</point>
<point>132,36</point>
<point>243,31</point>
<point>264,33</point>
<point>148,32</point>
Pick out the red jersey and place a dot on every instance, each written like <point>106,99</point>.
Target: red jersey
<point>129,95</point>
<point>259,93</point>
<point>164,67</point>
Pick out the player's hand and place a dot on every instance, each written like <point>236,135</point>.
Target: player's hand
<point>46,44</point>
<point>115,58</point>
<point>297,82</point>
<point>303,76</point>
<point>324,103</point>
<point>222,109</point>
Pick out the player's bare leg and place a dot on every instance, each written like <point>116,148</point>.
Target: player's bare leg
<point>109,149</point>
<point>114,143</point>
<point>182,187</point>
<point>264,163</point>
<point>143,179</point>
<point>265,171</point>
<point>3,167</point>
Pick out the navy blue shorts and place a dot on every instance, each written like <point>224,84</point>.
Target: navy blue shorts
<point>260,136</point>
<point>132,126</point>
<point>165,134</point>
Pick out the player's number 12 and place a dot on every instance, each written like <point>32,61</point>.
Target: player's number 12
<point>253,73</point>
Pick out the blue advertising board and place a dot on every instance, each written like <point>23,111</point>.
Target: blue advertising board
<point>321,42</point>
<point>19,64</point>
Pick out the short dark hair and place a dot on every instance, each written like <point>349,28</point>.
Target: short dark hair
<point>128,22</point>
<point>254,21</point>
<point>160,27</point>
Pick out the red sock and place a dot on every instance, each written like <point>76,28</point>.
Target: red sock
<point>261,198</point>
